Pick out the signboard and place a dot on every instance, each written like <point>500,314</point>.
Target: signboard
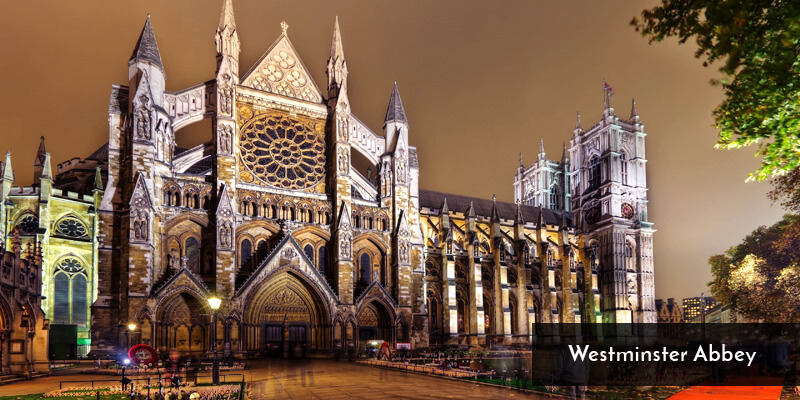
<point>403,346</point>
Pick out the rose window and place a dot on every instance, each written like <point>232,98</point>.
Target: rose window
<point>72,228</point>
<point>282,151</point>
<point>71,265</point>
<point>28,224</point>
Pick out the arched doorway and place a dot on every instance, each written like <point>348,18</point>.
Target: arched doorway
<point>286,318</point>
<point>183,325</point>
<point>375,322</point>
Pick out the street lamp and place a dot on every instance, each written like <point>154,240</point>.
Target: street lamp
<point>131,328</point>
<point>214,302</point>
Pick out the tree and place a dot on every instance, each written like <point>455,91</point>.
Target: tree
<point>760,277</point>
<point>758,43</point>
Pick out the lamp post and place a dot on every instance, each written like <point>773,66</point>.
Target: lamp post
<point>131,328</point>
<point>214,302</point>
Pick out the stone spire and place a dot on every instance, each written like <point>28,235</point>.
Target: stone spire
<point>47,170</point>
<point>337,66</point>
<point>578,126</point>
<point>395,112</point>
<point>519,220</point>
<point>607,93</point>
<point>564,157</point>
<point>146,47</point>
<point>521,163</point>
<point>495,214</point>
<point>634,112</point>
<point>470,212</point>
<point>541,149</point>
<point>444,214</point>
<point>8,173</point>
<point>38,162</point>
<point>98,178</point>
<point>40,154</point>
<point>226,19</point>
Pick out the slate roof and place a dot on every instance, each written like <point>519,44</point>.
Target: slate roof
<point>395,112</point>
<point>200,167</point>
<point>483,207</point>
<point>146,47</point>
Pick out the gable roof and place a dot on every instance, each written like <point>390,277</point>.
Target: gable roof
<point>281,71</point>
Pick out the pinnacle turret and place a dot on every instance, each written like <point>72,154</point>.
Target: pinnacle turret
<point>395,112</point>
<point>634,112</point>
<point>146,47</point>
<point>8,172</point>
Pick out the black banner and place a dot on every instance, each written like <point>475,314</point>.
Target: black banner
<point>664,354</point>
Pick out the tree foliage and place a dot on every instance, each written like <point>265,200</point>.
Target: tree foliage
<point>760,277</point>
<point>757,43</point>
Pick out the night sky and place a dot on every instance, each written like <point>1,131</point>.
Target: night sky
<point>480,81</point>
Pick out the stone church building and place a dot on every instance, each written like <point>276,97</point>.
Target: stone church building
<point>311,227</point>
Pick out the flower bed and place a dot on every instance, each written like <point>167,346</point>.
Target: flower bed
<point>211,392</point>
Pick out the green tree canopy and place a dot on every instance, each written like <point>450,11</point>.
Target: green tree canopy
<point>757,43</point>
<point>760,277</point>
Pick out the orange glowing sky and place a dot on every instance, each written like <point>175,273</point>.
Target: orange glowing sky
<point>480,80</point>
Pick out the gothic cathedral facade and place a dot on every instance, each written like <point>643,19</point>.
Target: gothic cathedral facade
<point>281,216</point>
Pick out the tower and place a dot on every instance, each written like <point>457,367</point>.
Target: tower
<point>609,200</point>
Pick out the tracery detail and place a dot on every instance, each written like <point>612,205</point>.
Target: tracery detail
<point>282,151</point>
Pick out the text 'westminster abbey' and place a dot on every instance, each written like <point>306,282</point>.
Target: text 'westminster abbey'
<point>273,217</point>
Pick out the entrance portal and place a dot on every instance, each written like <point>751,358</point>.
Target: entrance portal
<point>288,317</point>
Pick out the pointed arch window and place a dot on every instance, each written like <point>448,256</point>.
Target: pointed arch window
<point>630,260</point>
<point>261,252</point>
<point>246,254</point>
<point>594,172</point>
<point>70,300</point>
<point>309,251</point>
<point>623,159</point>
<point>192,254</point>
<point>61,299</point>
<point>555,197</point>
<point>365,268</point>
<point>322,260</point>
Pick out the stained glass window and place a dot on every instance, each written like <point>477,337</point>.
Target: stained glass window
<point>28,224</point>
<point>71,227</point>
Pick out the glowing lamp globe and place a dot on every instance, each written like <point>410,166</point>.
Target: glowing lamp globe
<point>214,303</point>
<point>131,327</point>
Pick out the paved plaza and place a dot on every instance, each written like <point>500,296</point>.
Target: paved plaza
<point>322,379</point>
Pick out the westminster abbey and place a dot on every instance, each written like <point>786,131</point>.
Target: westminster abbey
<point>280,216</point>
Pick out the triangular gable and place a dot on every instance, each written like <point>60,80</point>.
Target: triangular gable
<point>183,277</point>
<point>268,267</point>
<point>375,289</point>
<point>281,71</point>
<point>141,196</point>
<point>225,208</point>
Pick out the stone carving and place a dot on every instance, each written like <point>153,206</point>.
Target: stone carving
<point>403,250</point>
<point>225,95</point>
<point>225,235</point>
<point>344,162</point>
<point>345,245</point>
<point>400,166</point>
<point>143,124</point>
<point>141,225</point>
<point>281,72</point>
<point>342,128</point>
<point>225,137</point>
<point>288,254</point>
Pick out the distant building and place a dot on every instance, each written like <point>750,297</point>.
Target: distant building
<point>691,306</point>
<point>719,314</point>
<point>669,312</point>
